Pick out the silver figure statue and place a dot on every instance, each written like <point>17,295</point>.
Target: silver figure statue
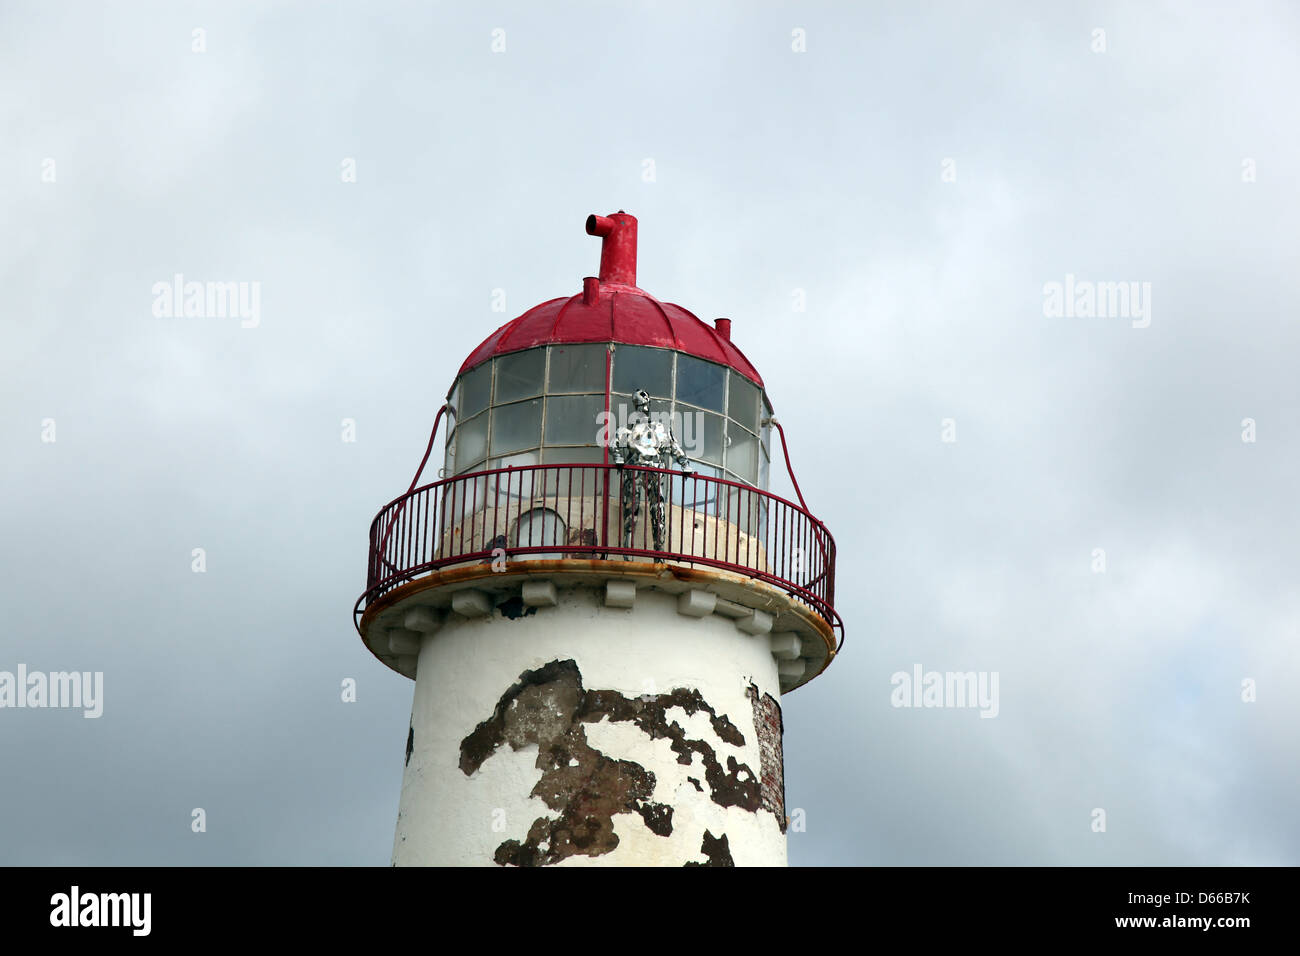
<point>648,444</point>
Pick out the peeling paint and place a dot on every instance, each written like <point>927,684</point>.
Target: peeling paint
<point>715,850</point>
<point>549,707</point>
<point>410,743</point>
<point>514,608</point>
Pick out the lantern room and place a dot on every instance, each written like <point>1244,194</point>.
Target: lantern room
<point>553,386</point>
<point>533,478</point>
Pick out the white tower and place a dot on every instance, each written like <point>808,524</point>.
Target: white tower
<point>597,679</point>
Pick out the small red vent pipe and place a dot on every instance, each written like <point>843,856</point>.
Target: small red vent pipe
<point>617,248</point>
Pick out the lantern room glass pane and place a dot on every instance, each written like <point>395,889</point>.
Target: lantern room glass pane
<point>763,467</point>
<point>475,390</point>
<point>701,383</point>
<point>742,402</point>
<point>471,442</point>
<point>520,375</point>
<point>742,454</point>
<point>636,367</point>
<point>688,428</point>
<point>516,427</point>
<point>573,456</point>
<point>702,435</point>
<point>519,484</point>
<point>624,414</point>
<point>573,419</point>
<point>576,368</point>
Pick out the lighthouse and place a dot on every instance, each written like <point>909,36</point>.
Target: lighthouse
<point>599,600</point>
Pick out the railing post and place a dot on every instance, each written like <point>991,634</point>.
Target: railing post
<point>604,508</point>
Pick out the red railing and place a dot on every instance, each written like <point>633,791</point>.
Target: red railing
<point>576,511</point>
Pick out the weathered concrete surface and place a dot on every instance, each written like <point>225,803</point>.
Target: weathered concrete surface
<point>589,735</point>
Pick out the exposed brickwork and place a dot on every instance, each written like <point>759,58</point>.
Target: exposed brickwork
<point>769,727</point>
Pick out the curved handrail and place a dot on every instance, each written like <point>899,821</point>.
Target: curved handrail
<point>423,461</point>
<point>751,531</point>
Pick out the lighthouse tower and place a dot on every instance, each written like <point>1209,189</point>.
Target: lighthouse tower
<point>598,599</point>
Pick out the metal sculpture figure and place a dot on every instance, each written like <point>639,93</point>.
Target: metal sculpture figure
<point>647,444</point>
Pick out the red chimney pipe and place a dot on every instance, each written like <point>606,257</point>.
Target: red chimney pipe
<point>724,328</point>
<point>617,248</point>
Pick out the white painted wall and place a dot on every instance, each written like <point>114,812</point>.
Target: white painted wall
<point>446,818</point>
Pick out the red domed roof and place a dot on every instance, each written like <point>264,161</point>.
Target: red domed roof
<point>612,309</point>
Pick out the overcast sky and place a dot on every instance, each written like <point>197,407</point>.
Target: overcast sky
<point>918,173</point>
